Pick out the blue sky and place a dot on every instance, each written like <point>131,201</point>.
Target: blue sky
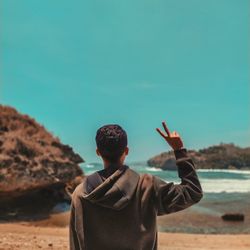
<point>76,65</point>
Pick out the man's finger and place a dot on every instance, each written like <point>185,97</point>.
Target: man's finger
<point>160,132</point>
<point>166,128</point>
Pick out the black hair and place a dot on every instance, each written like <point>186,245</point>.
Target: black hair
<point>111,141</point>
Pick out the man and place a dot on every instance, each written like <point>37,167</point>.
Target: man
<point>116,208</point>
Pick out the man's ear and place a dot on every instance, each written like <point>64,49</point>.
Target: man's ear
<point>97,152</point>
<point>126,150</point>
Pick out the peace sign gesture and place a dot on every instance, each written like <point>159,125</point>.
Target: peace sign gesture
<point>173,139</point>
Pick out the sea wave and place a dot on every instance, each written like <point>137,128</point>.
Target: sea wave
<point>89,166</point>
<point>236,171</point>
<point>153,169</point>
<point>226,181</point>
<point>225,185</point>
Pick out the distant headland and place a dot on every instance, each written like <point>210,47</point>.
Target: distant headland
<point>222,156</point>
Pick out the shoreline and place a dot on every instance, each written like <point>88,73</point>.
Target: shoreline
<point>201,218</point>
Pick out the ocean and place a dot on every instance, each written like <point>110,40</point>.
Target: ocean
<point>225,191</point>
<point>212,180</point>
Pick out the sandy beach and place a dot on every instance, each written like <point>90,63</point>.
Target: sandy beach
<point>52,233</point>
<point>24,236</point>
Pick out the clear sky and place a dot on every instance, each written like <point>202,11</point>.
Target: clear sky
<point>76,65</point>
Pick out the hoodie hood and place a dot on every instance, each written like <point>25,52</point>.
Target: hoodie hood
<point>115,192</point>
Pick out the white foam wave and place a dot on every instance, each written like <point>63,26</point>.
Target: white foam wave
<point>153,169</point>
<point>89,166</point>
<point>233,171</point>
<point>225,185</point>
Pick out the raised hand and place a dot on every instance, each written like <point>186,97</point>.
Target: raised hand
<point>173,139</point>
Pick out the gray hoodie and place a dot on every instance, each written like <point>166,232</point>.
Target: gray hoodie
<point>116,208</point>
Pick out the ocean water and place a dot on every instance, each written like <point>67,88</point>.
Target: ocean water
<point>212,181</point>
<point>225,191</point>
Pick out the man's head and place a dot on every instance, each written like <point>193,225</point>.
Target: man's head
<point>111,142</point>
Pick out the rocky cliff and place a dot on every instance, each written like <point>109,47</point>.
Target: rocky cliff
<point>223,156</point>
<point>33,162</point>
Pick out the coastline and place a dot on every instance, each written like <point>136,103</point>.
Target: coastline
<point>197,227</point>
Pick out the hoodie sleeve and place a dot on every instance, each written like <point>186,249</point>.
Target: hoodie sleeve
<point>172,197</point>
<point>76,233</point>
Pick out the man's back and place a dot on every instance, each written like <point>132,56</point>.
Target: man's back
<point>118,211</point>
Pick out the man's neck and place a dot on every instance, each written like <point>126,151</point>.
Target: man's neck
<point>109,169</point>
<point>111,164</point>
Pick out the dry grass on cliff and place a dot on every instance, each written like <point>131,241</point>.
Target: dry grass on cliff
<point>31,154</point>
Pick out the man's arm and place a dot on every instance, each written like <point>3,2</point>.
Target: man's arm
<point>172,197</point>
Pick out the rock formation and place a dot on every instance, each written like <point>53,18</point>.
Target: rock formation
<point>223,156</point>
<point>34,165</point>
<point>233,217</point>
